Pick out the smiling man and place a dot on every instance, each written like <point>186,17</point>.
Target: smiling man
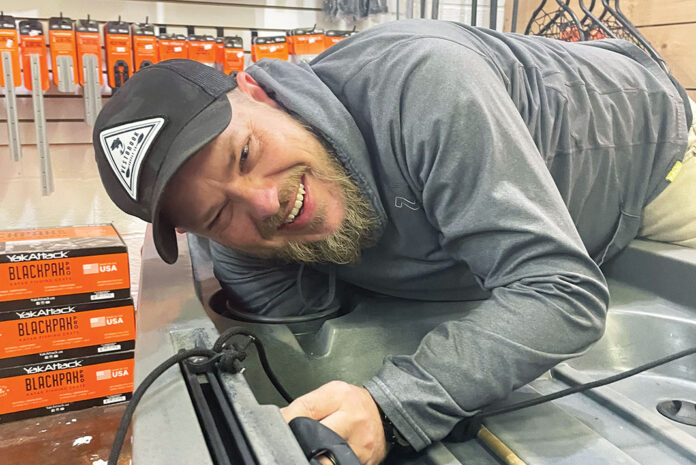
<point>284,196</point>
<point>423,160</point>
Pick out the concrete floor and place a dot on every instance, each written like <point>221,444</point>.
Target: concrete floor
<point>74,438</point>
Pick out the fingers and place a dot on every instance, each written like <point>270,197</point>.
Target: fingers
<point>340,423</point>
<point>317,404</point>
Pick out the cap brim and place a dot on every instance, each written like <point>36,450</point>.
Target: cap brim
<point>202,129</point>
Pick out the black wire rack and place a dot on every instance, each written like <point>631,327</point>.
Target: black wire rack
<point>555,21</point>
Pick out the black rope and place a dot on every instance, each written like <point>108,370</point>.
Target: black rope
<point>225,355</point>
<point>221,343</point>
<point>586,386</point>
<point>138,394</point>
<point>468,428</point>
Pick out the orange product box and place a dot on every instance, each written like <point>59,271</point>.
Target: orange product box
<point>9,42</point>
<point>77,330</point>
<point>233,57</point>
<point>88,43</point>
<point>269,47</point>
<point>335,36</point>
<point>41,389</point>
<point>61,37</point>
<point>144,45</point>
<point>119,53</point>
<point>306,41</point>
<point>202,48</point>
<point>59,266</point>
<point>172,46</point>
<point>32,42</point>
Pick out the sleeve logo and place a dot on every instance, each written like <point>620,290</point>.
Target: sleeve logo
<point>125,148</point>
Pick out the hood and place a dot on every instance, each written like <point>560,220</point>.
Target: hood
<point>299,89</point>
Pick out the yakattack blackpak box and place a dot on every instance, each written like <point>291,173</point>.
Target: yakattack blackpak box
<point>61,386</point>
<point>48,334</point>
<point>60,266</point>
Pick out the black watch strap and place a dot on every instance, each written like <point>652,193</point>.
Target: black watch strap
<point>391,434</point>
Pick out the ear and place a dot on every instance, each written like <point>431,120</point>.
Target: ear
<point>250,87</point>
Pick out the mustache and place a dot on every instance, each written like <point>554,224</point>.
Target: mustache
<point>287,194</point>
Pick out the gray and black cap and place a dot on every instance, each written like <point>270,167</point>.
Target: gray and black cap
<point>159,118</point>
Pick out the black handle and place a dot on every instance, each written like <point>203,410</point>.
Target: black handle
<point>316,439</point>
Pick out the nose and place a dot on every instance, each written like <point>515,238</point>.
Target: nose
<point>260,197</point>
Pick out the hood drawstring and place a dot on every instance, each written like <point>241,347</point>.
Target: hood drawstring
<point>329,298</point>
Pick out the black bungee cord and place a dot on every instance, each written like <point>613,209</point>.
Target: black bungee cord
<point>228,357</point>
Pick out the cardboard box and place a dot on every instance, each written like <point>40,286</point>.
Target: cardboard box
<point>60,266</point>
<point>61,386</point>
<point>38,335</point>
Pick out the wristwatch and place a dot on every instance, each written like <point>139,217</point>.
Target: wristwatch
<point>392,435</point>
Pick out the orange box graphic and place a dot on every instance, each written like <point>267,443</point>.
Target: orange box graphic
<point>78,330</point>
<point>41,389</point>
<point>57,266</point>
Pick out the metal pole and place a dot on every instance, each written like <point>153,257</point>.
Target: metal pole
<point>493,15</point>
<point>515,7</point>
<point>474,8</point>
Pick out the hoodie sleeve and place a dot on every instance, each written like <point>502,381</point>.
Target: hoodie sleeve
<point>488,193</point>
<point>269,288</point>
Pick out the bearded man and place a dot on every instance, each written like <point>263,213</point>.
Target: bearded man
<point>424,160</point>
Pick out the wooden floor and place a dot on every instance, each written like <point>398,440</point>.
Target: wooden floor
<point>74,438</point>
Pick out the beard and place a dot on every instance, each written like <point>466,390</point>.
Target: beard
<point>355,232</point>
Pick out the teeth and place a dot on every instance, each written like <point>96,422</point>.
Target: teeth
<point>298,204</point>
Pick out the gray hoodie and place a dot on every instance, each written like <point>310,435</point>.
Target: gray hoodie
<point>501,166</point>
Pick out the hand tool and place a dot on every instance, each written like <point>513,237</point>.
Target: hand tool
<point>61,38</point>
<point>35,69</point>
<point>144,44</point>
<point>10,77</point>
<point>119,56</point>
<point>89,66</point>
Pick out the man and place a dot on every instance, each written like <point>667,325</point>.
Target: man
<point>420,159</point>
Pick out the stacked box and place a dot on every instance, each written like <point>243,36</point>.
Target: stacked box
<point>67,323</point>
<point>58,266</point>
<point>60,386</point>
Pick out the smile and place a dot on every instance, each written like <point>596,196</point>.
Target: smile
<point>299,202</point>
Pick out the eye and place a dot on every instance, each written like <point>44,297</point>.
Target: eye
<point>243,156</point>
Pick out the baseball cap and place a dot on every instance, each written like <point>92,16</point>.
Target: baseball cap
<point>147,130</point>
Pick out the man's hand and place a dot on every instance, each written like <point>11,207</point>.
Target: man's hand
<point>348,410</point>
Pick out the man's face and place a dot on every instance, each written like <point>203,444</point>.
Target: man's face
<point>267,187</point>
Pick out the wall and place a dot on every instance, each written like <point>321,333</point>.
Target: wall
<point>669,25</point>
<point>79,197</point>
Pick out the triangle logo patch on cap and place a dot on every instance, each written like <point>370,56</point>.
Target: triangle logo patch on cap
<point>125,147</point>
